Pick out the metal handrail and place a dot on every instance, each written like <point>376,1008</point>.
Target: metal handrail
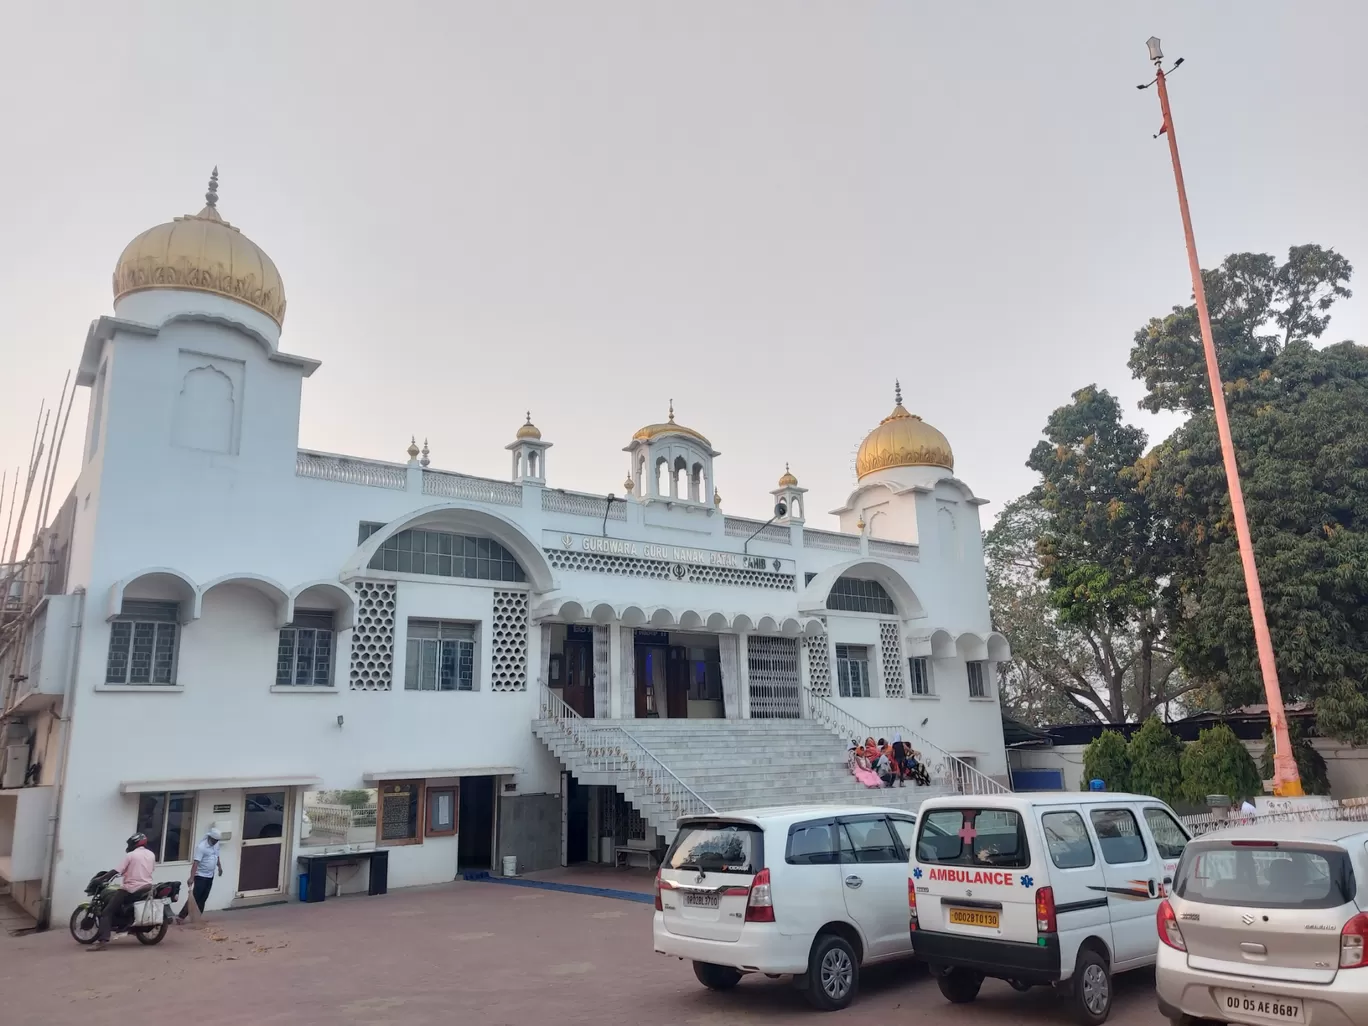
<point>951,771</point>
<point>614,750</point>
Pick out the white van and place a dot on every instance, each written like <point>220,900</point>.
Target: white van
<point>1034,889</point>
<point>815,892</point>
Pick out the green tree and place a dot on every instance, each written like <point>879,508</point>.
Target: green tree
<point>1299,421</point>
<point>1315,775</point>
<point>1155,754</point>
<point>1218,763</point>
<point>1107,759</point>
<point>1103,565</point>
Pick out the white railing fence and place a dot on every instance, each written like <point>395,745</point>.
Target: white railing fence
<point>946,770</point>
<point>1354,810</point>
<point>613,750</point>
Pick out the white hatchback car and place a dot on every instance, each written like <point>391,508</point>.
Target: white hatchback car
<point>814,892</point>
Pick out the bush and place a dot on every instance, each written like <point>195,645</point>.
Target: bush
<point>1107,759</point>
<point>1315,777</point>
<point>1155,755</point>
<point>1217,763</point>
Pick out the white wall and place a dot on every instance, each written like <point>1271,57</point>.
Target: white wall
<point>146,500</point>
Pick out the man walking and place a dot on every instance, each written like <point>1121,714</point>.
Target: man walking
<point>207,865</point>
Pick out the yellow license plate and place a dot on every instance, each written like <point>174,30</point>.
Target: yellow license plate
<point>974,917</point>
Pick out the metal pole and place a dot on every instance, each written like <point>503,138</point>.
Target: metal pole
<point>1286,779</point>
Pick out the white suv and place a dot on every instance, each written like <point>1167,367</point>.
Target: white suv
<point>811,891</point>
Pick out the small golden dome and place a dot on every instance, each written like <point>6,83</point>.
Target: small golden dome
<point>203,253</point>
<point>529,430</point>
<point>903,439</point>
<point>788,480</point>
<point>717,497</point>
<point>629,485</point>
<point>669,427</point>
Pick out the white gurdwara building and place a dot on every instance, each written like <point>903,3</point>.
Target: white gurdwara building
<point>324,655</point>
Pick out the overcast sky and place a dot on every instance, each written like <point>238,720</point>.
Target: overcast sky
<point>766,210</point>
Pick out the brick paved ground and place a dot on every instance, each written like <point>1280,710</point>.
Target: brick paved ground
<point>476,953</point>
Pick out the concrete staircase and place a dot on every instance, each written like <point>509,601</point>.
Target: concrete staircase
<point>670,768</point>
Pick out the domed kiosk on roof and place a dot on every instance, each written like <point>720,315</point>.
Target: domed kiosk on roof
<point>673,464</point>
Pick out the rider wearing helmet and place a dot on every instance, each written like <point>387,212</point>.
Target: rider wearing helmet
<point>136,870</point>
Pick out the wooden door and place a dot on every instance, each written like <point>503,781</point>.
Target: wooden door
<point>677,683</point>
<point>579,677</point>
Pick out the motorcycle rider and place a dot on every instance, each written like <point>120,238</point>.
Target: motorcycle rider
<point>136,870</point>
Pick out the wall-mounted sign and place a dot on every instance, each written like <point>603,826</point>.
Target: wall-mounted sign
<point>678,554</point>
<point>222,810</point>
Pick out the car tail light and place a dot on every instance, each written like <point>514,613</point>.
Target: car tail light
<point>1253,844</point>
<point>1045,911</point>
<point>911,904</point>
<point>1354,943</point>
<point>1167,922</point>
<point>760,904</point>
<point>659,906</point>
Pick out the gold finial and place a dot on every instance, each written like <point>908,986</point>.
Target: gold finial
<point>413,448</point>
<point>425,461</point>
<point>629,484</point>
<point>860,523</point>
<point>897,392</point>
<point>717,497</point>
<point>211,197</point>
<point>529,416</point>
<point>671,411</point>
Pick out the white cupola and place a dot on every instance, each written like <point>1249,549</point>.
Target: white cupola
<point>673,464</point>
<point>529,454</point>
<point>791,496</point>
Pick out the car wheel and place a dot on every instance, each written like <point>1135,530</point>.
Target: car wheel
<point>833,973</point>
<point>85,925</point>
<point>152,935</point>
<point>1092,988</point>
<point>960,986</point>
<point>717,977</point>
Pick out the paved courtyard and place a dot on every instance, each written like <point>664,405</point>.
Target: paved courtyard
<point>467,952</point>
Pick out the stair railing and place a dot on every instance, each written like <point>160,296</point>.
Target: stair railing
<point>950,771</point>
<point>613,750</point>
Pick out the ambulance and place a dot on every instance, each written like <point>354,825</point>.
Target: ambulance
<point>1040,889</point>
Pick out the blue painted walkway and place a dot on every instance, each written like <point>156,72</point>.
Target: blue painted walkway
<point>546,885</point>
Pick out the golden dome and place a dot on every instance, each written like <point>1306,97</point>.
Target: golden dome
<point>530,430</point>
<point>669,427</point>
<point>203,253</point>
<point>788,480</point>
<point>903,439</point>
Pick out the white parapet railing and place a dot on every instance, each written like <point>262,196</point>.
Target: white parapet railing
<point>613,750</point>
<point>831,540</point>
<point>582,504</point>
<point>477,489</point>
<point>945,769</point>
<point>326,466</point>
<point>1353,810</point>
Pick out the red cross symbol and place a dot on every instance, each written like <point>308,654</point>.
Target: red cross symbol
<point>968,833</point>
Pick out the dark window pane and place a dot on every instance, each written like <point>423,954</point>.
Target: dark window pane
<point>120,640</point>
<point>304,657</point>
<point>264,815</point>
<point>323,659</point>
<point>180,827</point>
<point>164,657</point>
<point>140,663</point>
<point>285,656</point>
<point>151,816</point>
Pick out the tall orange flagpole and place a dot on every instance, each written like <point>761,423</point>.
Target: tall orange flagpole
<point>1286,779</point>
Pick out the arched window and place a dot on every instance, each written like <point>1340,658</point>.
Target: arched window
<point>696,483</point>
<point>681,474</point>
<point>444,554</point>
<point>532,464</point>
<point>853,595</point>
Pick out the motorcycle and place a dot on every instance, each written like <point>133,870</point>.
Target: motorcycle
<point>146,917</point>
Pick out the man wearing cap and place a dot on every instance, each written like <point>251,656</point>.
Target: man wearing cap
<point>207,864</point>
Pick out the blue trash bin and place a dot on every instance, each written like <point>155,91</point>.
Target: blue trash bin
<point>303,886</point>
